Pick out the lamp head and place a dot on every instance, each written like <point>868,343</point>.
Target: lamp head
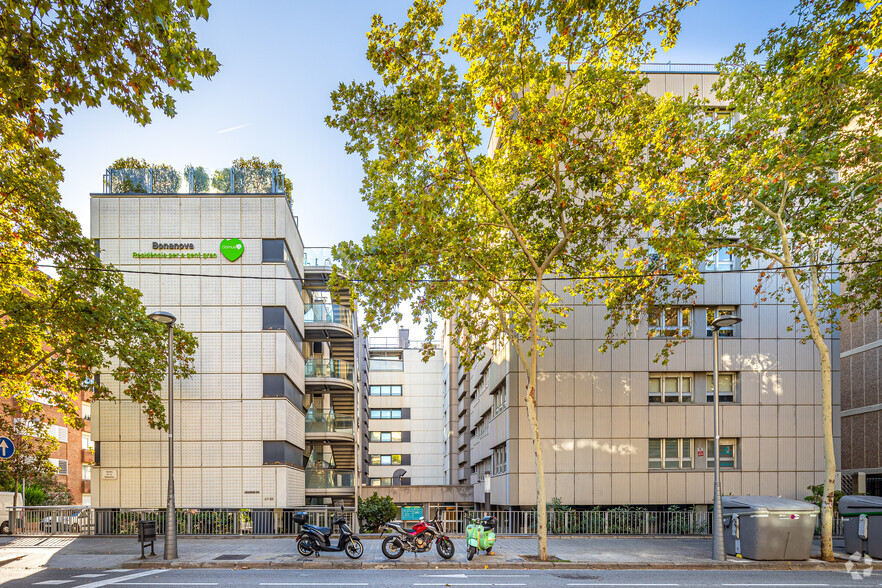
<point>725,321</point>
<point>160,316</point>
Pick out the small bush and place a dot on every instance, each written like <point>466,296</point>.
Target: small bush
<point>375,510</point>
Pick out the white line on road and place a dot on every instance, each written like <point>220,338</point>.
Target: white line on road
<point>314,584</point>
<point>53,582</point>
<point>606,584</point>
<point>90,576</point>
<point>123,582</point>
<point>118,579</point>
<point>754,584</point>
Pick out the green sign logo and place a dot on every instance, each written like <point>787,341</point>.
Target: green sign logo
<point>232,249</point>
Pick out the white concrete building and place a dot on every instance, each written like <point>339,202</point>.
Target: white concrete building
<point>239,422</point>
<point>406,414</point>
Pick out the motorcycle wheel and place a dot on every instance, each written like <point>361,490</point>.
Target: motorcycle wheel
<point>392,548</point>
<point>304,547</point>
<point>445,547</point>
<point>471,553</point>
<point>354,549</point>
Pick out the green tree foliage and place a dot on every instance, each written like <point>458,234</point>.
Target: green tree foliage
<point>201,181</point>
<point>375,510</point>
<point>798,180</point>
<point>250,177</point>
<point>156,179</point>
<point>27,426</point>
<point>481,237</point>
<point>57,332</point>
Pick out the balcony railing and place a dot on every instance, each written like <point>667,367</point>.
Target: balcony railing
<point>330,368</point>
<point>327,313</point>
<point>167,180</point>
<point>326,423</point>
<point>329,478</point>
<point>318,257</point>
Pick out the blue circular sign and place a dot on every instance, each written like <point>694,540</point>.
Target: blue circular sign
<point>7,448</point>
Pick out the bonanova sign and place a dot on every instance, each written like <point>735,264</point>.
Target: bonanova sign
<point>173,251</point>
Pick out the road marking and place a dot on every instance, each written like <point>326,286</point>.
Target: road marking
<point>476,576</point>
<point>119,579</point>
<point>753,584</point>
<point>54,582</point>
<point>467,584</point>
<point>90,576</point>
<point>316,584</point>
<point>123,582</point>
<point>638,584</point>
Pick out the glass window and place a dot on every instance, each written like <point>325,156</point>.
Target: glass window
<point>721,260</point>
<point>670,388</point>
<point>386,413</point>
<point>670,454</point>
<point>87,472</point>
<point>385,459</point>
<point>386,436</point>
<point>276,251</point>
<point>385,391</point>
<point>87,442</point>
<point>717,312</point>
<point>727,453</point>
<point>670,321</point>
<point>500,461</point>
<point>499,399</point>
<point>276,318</point>
<point>727,387</point>
<point>281,386</point>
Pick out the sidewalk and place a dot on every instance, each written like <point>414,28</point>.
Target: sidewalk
<point>238,552</point>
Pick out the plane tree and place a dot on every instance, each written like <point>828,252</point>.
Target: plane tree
<point>500,239</point>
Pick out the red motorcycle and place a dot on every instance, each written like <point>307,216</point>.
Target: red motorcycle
<point>418,539</point>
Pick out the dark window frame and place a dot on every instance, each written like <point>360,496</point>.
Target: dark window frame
<point>285,258</point>
<point>281,386</point>
<point>287,324</point>
<point>282,453</point>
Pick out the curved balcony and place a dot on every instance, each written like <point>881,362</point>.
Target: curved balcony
<point>327,321</point>
<point>330,481</point>
<point>331,427</point>
<point>329,374</point>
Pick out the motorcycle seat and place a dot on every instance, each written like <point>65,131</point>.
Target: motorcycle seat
<point>322,530</point>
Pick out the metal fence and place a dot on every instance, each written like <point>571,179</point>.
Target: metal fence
<point>66,520</point>
<point>78,520</point>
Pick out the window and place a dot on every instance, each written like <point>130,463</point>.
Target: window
<point>281,452</point>
<point>670,321</point>
<point>499,399</point>
<point>61,464</point>
<point>381,481</point>
<point>281,386</point>
<point>483,383</point>
<point>87,442</point>
<point>481,428</point>
<point>276,318</point>
<point>727,453</point>
<point>385,390</point>
<point>670,388</point>
<point>724,119</point>
<point>276,251</point>
<point>386,436</point>
<point>386,413</point>
<point>58,432</point>
<point>500,461</point>
<point>87,472</point>
<point>721,260</point>
<point>727,387</point>
<point>717,312</point>
<point>386,459</point>
<point>87,411</point>
<point>670,454</point>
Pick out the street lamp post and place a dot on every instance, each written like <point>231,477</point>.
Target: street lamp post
<point>719,548</point>
<point>487,492</point>
<point>171,527</point>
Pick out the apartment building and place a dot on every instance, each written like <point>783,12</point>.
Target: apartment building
<point>405,426</point>
<point>229,266</point>
<point>336,388</point>
<point>621,429</point>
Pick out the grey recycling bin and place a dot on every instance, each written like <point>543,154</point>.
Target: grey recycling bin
<point>862,516</point>
<point>768,528</point>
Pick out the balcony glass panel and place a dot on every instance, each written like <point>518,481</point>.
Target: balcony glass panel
<point>329,368</point>
<point>327,313</point>
<point>328,423</point>
<point>318,257</point>
<point>329,478</point>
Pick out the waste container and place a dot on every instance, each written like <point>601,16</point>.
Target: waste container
<point>768,528</point>
<point>862,516</point>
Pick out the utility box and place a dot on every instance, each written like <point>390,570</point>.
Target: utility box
<point>768,527</point>
<point>862,516</point>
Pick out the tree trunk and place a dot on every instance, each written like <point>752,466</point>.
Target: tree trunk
<point>541,517</point>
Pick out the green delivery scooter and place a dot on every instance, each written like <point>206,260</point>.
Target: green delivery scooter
<point>481,536</point>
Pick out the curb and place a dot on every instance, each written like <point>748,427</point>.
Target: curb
<point>344,565</point>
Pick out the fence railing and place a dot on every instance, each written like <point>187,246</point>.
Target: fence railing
<point>79,520</point>
<point>328,423</point>
<point>60,520</point>
<point>329,368</point>
<point>327,313</point>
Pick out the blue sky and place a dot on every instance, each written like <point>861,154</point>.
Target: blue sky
<point>280,61</point>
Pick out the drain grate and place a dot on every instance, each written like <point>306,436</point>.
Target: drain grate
<point>229,557</point>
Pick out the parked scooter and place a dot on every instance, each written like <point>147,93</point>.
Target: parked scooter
<point>481,536</point>
<point>418,539</point>
<point>314,539</point>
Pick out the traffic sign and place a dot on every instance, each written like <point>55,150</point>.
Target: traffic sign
<point>7,448</point>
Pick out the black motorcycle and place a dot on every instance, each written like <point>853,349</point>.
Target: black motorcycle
<point>417,540</point>
<point>314,539</point>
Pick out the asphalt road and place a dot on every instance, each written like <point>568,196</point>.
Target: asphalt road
<point>81,578</point>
